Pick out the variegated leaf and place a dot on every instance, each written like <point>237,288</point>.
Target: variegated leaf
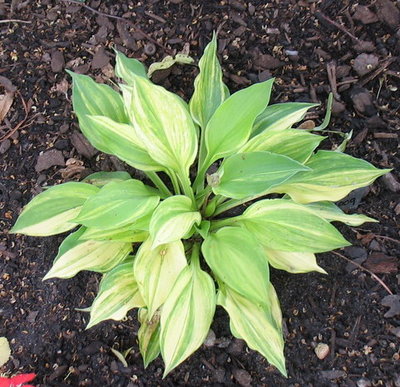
<point>118,204</point>
<point>209,90</point>
<point>118,294</point>
<point>333,175</point>
<point>280,224</point>
<point>162,123</point>
<point>127,68</point>
<point>186,315</point>
<point>149,336</point>
<point>52,211</point>
<point>238,260</point>
<point>129,233</point>
<point>256,324</point>
<point>100,179</point>
<point>156,270</point>
<point>172,220</point>
<point>75,255</point>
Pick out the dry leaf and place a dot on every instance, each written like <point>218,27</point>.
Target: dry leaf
<point>5,351</point>
<point>7,99</point>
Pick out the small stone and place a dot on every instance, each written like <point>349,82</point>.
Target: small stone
<point>375,122</point>
<point>49,159</point>
<point>322,350</point>
<point>363,382</point>
<point>5,146</point>
<point>388,13</point>
<point>353,199</point>
<point>365,63</point>
<point>82,146</point>
<point>397,209</point>
<point>333,374</point>
<point>61,144</point>
<point>64,128</point>
<point>395,331</point>
<point>210,339</point>
<point>100,59</point>
<point>264,76</point>
<point>362,101</point>
<point>235,347</point>
<point>391,183</point>
<point>242,377</point>
<point>150,49</point>
<point>338,107</point>
<point>265,61</point>
<point>365,15</point>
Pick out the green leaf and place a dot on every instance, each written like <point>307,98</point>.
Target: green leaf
<point>230,126</point>
<point>149,336</point>
<point>333,175</point>
<point>209,90</point>
<point>126,68</point>
<point>120,140</point>
<point>250,174</point>
<point>186,315</point>
<point>75,255</point>
<point>172,220</point>
<point>331,212</point>
<point>286,226</point>
<point>156,270</point>
<point>162,123</point>
<point>281,116</point>
<point>118,204</point>
<point>293,262</point>
<point>99,179</point>
<point>118,294</point>
<point>294,143</point>
<point>52,211</point>
<point>238,260</point>
<point>256,324</point>
<point>91,98</point>
<point>168,62</point>
<point>129,233</point>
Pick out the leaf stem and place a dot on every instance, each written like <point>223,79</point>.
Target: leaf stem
<point>195,257</point>
<point>232,203</point>
<point>215,224</point>
<point>156,180</point>
<point>175,183</point>
<point>186,187</point>
<point>198,184</point>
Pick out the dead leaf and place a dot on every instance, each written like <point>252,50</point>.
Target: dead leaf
<point>381,263</point>
<point>73,168</point>
<point>5,351</point>
<point>393,302</point>
<point>7,99</point>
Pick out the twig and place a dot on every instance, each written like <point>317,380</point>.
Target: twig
<point>382,67</point>
<point>15,21</point>
<point>373,275</point>
<point>320,15</point>
<point>387,238</point>
<point>148,37</point>
<point>331,70</point>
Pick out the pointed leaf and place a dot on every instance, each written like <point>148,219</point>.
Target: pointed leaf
<point>118,294</point>
<point>237,259</point>
<point>149,336</point>
<point>297,144</point>
<point>333,175</point>
<point>126,68</point>
<point>99,179</point>
<point>51,211</point>
<point>250,174</point>
<point>121,141</point>
<point>293,262</point>
<point>283,225</point>
<point>254,324</point>
<point>331,212</point>
<point>230,126</point>
<point>118,204</point>
<point>172,220</point>
<point>129,233</point>
<point>209,90</point>
<point>75,255</point>
<point>186,315</point>
<point>281,116</point>
<point>168,62</point>
<point>156,271</point>
<point>163,124</point>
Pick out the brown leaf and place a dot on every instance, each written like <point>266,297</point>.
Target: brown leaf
<point>7,99</point>
<point>381,263</point>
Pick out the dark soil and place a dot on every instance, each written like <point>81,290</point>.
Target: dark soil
<point>298,42</point>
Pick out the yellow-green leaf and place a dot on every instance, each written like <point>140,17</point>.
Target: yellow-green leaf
<point>238,260</point>
<point>156,270</point>
<point>293,262</point>
<point>186,315</point>
<point>118,293</point>
<point>99,179</point>
<point>75,255</point>
<point>280,224</point>
<point>129,233</point>
<point>230,126</point>
<point>281,116</point>
<point>149,336</point>
<point>209,90</point>
<point>5,351</point>
<point>249,174</point>
<point>168,62</point>
<point>173,219</point>
<point>118,204</point>
<point>332,176</point>
<point>256,325</point>
<point>294,143</point>
<point>126,68</point>
<point>162,123</point>
<point>52,211</point>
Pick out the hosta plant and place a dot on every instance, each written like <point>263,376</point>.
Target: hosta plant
<point>167,245</point>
